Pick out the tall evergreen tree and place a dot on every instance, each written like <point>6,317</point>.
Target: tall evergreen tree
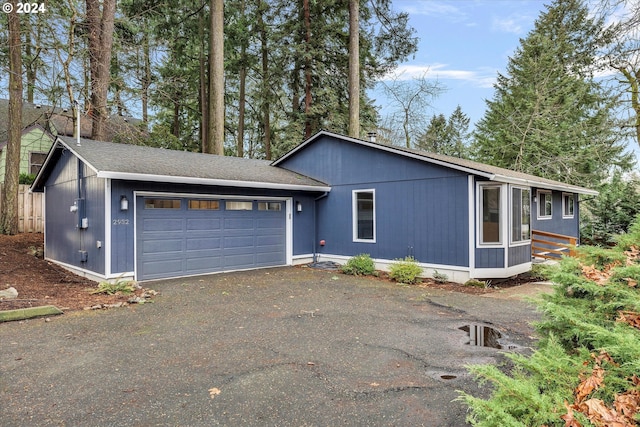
<point>549,115</point>
<point>9,202</point>
<point>447,136</point>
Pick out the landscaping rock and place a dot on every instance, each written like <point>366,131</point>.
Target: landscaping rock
<point>10,293</point>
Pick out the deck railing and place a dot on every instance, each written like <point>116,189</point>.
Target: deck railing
<point>551,245</point>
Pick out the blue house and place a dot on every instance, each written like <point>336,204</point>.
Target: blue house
<point>116,210</point>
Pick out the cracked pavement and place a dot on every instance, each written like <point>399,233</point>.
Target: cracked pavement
<point>281,347</point>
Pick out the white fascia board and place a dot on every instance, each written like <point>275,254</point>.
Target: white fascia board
<point>210,181</point>
<point>544,185</point>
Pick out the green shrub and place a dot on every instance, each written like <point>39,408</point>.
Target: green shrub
<point>440,277</point>
<point>405,270</point>
<point>359,265</point>
<point>125,287</point>
<point>539,272</point>
<point>475,283</point>
<point>26,178</point>
<point>589,346</point>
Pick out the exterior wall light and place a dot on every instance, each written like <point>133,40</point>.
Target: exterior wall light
<point>124,203</point>
<point>298,206</point>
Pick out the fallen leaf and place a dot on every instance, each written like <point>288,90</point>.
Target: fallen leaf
<point>569,419</point>
<point>593,382</point>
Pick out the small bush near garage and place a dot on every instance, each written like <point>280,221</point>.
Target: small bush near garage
<point>359,265</point>
<point>584,371</point>
<point>405,271</point>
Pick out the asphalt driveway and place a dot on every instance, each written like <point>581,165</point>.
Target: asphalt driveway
<point>274,347</point>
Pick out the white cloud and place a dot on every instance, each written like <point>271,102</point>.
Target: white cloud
<point>481,77</point>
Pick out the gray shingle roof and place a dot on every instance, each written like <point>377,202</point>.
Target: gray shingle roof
<point>134,162</point>
<point>488,171</point>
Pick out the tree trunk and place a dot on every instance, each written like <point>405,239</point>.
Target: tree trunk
<point>9,213</point>
<point>204,105</point>
<point>354,68</point>
<point>266,109</point>
<point>101,24</point>
<point>307,69</point>
<point>215,142</point>
<point>241,94</point>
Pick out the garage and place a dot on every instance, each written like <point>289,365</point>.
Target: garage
<point>186,236</point>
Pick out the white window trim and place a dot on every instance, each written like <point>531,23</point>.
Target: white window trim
<point>513,243</point>
<point>564,208</point>
<point>538,204</point>
<point>502,225</point>
<point>354,214</point>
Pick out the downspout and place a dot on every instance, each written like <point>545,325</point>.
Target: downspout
<point>315,225</point>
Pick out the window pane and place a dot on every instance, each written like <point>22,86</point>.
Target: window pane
<point>520,215</point>
<point>526,215</point>
<point>364,203</point>
<point>35,161</point>
<point>269,206</point>
<point>162,203</point>
<point>490,215</point>
<point>212,205</point>
<point>545,206</point>
<point>238,206</point>
<point>568,205</point>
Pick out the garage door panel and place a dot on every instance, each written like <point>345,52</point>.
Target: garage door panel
<point>203,243</point>
<point>203,224</point>
<point>234,242</point>
<point>238,261</point>
<point>237,224</point>
<point>267,258</point>
<point>164,268</point>
<point>204,264</point>
<point>162,246</point>
<point>165,225</point>
<point>185,242</point>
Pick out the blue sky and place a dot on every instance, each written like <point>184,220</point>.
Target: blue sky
<point>463,45</point>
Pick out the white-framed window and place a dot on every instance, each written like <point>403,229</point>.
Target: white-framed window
<point>545,204</point>
<point>364,215</point>
<point>269,206</point>
<point>232,205</point>
<point>568,205</point>
<point>520,214</point>
<point>490,214</point>
<point>36,159</point>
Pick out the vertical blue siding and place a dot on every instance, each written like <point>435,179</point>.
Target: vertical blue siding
<point>557,224</point>
<point>421,209</point>
<point>70,180</point>
<point>490,258</point>
<point>519,255</point>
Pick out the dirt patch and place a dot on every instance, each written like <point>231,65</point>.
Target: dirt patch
<point>40,282</point>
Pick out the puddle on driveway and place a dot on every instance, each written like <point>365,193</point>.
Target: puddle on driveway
<point>486,336</point>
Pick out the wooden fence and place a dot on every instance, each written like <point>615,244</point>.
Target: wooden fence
<point>551,245</point>
<point>30,210</point>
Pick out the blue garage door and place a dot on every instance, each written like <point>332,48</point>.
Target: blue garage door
<point>184,237</point>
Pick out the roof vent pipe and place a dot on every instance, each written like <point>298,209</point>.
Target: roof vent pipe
<point>372,136</point>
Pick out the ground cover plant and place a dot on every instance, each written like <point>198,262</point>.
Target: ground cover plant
<point>585,370</point>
